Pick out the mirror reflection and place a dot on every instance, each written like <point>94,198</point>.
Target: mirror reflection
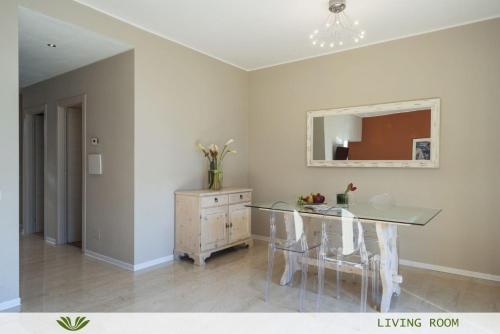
<point>373,136</point>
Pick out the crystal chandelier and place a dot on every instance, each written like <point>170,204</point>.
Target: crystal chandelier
<point>338,29</point>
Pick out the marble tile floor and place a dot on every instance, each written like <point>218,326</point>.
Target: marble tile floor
<point>57,279</point>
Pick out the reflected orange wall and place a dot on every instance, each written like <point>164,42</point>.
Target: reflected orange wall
<point>390,137</point>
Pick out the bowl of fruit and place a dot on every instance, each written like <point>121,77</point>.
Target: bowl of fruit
<point>311,199</point>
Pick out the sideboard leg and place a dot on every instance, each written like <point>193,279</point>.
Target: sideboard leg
<point>199,260</point>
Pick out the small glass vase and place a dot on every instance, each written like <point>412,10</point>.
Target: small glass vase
<point>214,176</point>
<point>342,199</point>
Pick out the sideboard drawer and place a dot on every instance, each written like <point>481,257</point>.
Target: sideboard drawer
<point>240,197</point>
<point>209,201</point>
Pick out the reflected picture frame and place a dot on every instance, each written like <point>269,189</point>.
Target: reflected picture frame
<point>421,149</point>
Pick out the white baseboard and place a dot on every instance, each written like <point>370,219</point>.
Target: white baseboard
<point>427,266</point>
<point>50,241</point>
<point>154,262</point>
<point>10,304</point>
<point>126,265</point>
<point>449,270</point>
<point>118,263</point>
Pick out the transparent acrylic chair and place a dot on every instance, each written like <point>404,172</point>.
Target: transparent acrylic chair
<point>343,249</point>
<point>382,201</point>
<point>296,245</point>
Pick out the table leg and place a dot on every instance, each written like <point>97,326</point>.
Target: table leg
<point>387,238</point>
<point>398,279</point>
<point>291,260</point>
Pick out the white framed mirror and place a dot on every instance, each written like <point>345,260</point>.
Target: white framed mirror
<point>400,134</point>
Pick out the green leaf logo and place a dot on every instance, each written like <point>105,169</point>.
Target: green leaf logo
<point>66,323</point>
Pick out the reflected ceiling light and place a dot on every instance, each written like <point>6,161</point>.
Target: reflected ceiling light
<point>51,45</point>
<point>338,28</point>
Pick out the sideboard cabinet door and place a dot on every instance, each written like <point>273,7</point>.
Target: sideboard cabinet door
<point>239,222</point>
<point>213,227</point>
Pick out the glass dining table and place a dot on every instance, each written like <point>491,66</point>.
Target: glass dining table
<point>385,217</point>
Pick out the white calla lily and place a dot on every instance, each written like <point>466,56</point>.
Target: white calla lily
<point>215,159</point>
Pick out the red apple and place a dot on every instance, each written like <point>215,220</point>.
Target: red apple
<point>318,198</point>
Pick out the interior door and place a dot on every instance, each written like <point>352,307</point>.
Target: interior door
<point>74,174</point>
<point>239,222</point>
<point>213,228</point>
<point>29,197</point>
<point>39,171</point>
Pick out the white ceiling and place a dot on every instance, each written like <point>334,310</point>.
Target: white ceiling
<point>75,47</point>
<point>253,34</point>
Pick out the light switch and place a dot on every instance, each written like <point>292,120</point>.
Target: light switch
<point>94,164</point>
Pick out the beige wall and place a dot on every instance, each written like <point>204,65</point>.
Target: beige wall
<point>181,96</point>
<point>9,150</point>
<point>109,87</point>
<point>461,66</point>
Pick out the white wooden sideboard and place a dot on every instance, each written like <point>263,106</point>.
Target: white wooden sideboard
<point>208,221</point>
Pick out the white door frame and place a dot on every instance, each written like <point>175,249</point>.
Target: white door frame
<point>62,105</point>
<point>28,146</point>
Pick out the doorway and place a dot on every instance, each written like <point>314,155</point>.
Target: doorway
<point>34,165</point>
<point>74,175</point>
<point>39,148</point>
<point>71,166</point>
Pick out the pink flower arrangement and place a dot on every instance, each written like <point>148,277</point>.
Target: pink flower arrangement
<point>350,187</point>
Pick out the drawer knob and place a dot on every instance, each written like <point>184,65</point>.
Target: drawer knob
<point>216,200</point>
<point>241,196</point>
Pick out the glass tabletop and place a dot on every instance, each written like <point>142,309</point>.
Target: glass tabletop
<point>365,211</point>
